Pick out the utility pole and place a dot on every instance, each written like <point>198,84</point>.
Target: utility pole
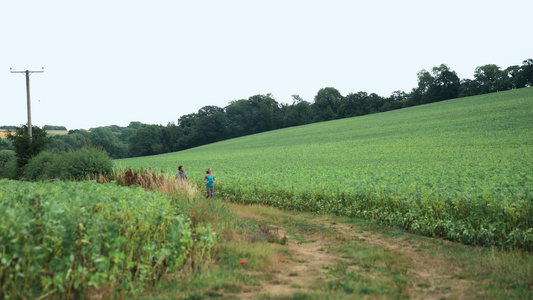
<point>28,73</point>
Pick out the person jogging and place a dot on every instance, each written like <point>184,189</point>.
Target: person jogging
<point>209,181</point>
<point>182,175</point>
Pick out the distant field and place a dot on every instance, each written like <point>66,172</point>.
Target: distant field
<point>442,158</point>
<point>475,145</point>
<point>3,132</point>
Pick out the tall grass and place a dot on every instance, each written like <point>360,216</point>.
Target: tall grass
<point>150,181</point>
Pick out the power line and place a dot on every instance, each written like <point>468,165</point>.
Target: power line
<point>28,73</point>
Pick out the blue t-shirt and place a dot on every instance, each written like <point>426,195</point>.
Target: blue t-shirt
<point>210,181</point>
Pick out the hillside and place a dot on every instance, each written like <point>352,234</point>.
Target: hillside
<point>459,169</point>
<point>452,168</point>
<point>462,144</point>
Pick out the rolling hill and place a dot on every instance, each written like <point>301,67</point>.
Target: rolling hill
<point>468,161</point>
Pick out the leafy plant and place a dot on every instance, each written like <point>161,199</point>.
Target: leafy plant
<point>66,239</point>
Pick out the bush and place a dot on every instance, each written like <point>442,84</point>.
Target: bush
<point>8,164</point>
<point>5,156</point>
<point>85,162</point>
<point>42,166</point>
<point>75,165</point>
<point>6,145</point>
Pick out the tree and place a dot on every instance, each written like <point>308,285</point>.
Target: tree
<point>524,76</point>
<point>107,140</point>
<point>396,100</point>
<point>527,72</point>
<point>468,88</point>
<point>26,148</point>
<point>187,124</point>
<point>326,104</point>
<point>52,127</point>
<point>147,140</point>
<point>490,78</point>
<point>238,116</point>
<point>69,142</point>
<point>207,126</point>
<point>209,129</point>
<point>425,80</point>
<point>262,113</point>
<point>375,103</point>
<point>440,84</point>
<point>446,84</point>
<point>209,110</point>
<point>172,134</point>
<point>135,125</point>
<point>414,98</point>
<point>299,113</point>
<point>354,105</point>
<point>512,78</point>
<point>125,134</point>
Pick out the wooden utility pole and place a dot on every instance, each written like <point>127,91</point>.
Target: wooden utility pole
<point>28,73</point>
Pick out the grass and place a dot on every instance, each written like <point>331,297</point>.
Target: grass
<point>460,169</point>
<point>375,266</point>
<point>477,146</point>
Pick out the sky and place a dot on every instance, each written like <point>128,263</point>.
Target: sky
<point>113,62</point>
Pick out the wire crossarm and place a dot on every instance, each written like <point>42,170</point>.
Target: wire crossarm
<point>28,73</point>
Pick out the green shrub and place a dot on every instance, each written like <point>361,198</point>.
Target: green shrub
<point>75,165</point>
<point>40,166</point>
<point>8,164</point>
<point>6,145</point>
<point>85,162</point>
<point>5,156</point>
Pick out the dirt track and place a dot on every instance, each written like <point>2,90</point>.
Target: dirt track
<point>307,263</point>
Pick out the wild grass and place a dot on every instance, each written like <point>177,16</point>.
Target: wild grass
<point>150,181</point>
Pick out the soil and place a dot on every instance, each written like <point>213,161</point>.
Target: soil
<point>430,277</point>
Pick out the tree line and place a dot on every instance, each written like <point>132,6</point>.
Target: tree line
<point>260,113</point>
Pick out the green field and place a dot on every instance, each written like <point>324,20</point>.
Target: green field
<point>61,240</point>
<point>461,169</point>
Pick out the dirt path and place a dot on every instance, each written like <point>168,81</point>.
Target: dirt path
<point>432,278</point>
<point>308,263</point>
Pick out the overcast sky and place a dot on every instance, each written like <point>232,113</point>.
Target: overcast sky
<point>112,62</point>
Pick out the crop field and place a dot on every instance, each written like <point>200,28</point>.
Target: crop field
<point>69,240</point>
<point>461,169</point>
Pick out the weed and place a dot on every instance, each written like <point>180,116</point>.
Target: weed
<point>273,237</point>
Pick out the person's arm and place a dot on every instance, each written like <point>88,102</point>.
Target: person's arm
<point>205,179</point>
<point>186,178</point>
<point>213,177</point>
